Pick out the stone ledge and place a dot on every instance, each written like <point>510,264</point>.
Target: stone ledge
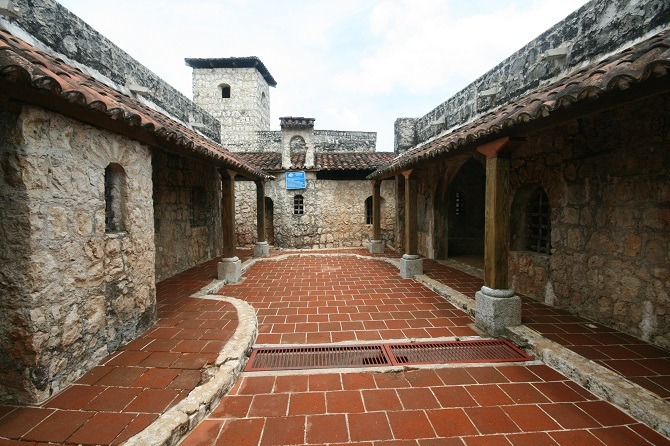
<point>174,424</point>
<point>602,382</point>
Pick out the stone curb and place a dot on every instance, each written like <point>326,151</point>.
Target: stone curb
<point>174,424</point>
<point>251,262</point>
<point>602,382</point>
<point>457,299</point>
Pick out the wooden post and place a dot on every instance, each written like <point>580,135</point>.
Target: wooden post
<point>400,211</point>
<point>228,212</point>
<point>497,226</point>
<point>260,211</point>
<point>376,210</point>
<point>411,236</point>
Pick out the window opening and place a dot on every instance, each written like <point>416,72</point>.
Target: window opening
<point>115,185</point>
<point>458,203</point>
<point>225,91</point>
<point>368,210</point>
<point>538,223</point>
<point>298,205</point>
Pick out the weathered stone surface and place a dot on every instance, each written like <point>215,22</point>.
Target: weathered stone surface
<point>410,266</point>
<point>65,33</point>
<point>334,213</point>
<point>494,314</point>
<point>72,293</point>
<point>186,197</point>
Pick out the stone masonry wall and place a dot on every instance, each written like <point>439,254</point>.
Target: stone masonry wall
<point>244,113</point>
<point>187,213</point>
<point>344,141</point>
<point>608,182</point>
<point>328,222</point>
<point>596,29</point>
<point>71,293</point>
<point>64,33</point>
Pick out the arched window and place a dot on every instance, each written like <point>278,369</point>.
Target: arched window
<point>225,91</point>
<point>538,222</point>
<point>298,145</point>
<point>298,205</point>
<point>368,210</point>
<point>115,198</point>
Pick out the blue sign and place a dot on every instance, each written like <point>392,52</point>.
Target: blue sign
<point>295,180</point>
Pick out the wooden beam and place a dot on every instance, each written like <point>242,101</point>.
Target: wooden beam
<point>228,212</point>
<point>376,210</point>
<point>500,146</point>
<point>497,223</point>
<point>411,235</point>
<point>260,211</point>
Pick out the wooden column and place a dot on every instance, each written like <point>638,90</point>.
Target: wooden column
<point>400,211</point>
<point>497,213</point>
<point>260,211</point>
<point>376,210</point>
<point>228,212</point>
<point>411,236</point>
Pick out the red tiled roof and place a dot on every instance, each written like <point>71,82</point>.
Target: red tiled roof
<point>637,64</point>
<point>271,161</point>
<point>49,76</point>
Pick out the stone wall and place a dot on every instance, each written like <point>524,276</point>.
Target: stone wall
<point>608,182</point>
<point>187,213</point>
<point>71,292</point>
<point>328,221</point>
<point>596,29</point>
<point>344,141</point>
<point>53,25</point>
<point>244,113</point>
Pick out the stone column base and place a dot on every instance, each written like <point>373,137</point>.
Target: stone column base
<point>496,309</point>
<point>230,270</point>
<point>261,249</point>
<point>376,246</point>
<point>410,266</point>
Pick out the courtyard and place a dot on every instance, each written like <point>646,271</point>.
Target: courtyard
<point>346,297</point>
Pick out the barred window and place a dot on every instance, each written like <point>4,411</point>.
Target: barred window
<point>458,203</point>
<point>538,223</point>
<point>225,91</point>
<point>368,210</point>
<point>115,196</point>
<point>298,205</point>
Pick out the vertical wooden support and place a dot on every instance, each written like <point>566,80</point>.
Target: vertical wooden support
<point>497,226</point>
<point>260,211</point>
<point>411,235</point>
<point>228,212</point>
<point>376,210</point>
<point>400,211</point>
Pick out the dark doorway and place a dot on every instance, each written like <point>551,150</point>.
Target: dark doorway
<point>269,221</point>
<point>466,210</point>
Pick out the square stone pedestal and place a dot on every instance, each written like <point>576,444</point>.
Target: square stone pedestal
<point>493,314</point>
<point>410,266</point>
<point>230,270</point>
<point>376,246</point>
<point>261,249</point>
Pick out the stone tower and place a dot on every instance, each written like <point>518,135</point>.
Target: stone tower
<point>236,91</point>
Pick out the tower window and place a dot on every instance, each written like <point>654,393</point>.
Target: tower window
<point>225,91</point>
<point>298,205</point>
<point>538,223</point>
<point>368,210</point>
<point>115,196</point>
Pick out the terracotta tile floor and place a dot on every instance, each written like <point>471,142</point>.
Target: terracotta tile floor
<point>331,299</point>
<point>133,386</point>
<point>507,405</point>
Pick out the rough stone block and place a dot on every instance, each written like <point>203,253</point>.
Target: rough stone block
<point>230,270</point>
<point>494,314</point>
<point>376,246</point>
<point>261,249</point>
<point>410,266</point>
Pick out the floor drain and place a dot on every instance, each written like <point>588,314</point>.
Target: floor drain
<point>335,356</point>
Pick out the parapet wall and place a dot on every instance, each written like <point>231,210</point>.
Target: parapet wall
<point>66,34</point>
<point>324,141</point>
<point>598,28</point>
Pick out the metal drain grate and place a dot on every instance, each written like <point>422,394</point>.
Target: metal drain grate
<point>287,358</point>
<point>332,356</point>
<point>498,350</point>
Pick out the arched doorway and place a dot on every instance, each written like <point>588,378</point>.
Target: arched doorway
<point>466,212</point>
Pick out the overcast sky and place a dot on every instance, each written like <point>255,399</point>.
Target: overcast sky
<point>351,64</point>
